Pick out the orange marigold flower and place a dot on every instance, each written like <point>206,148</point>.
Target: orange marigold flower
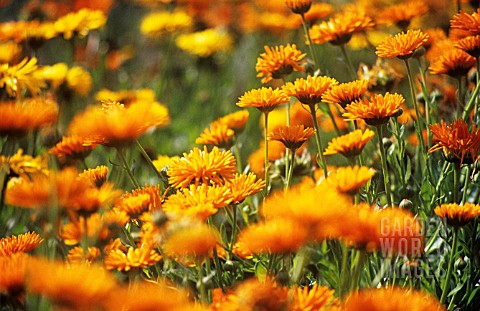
<point>126,97</point>
<point>452,62</point>
<point>339,29</point>
<point>151,295</point>
<point>376,110</point>
<point>402,45</point>
<point>70,286</point>
<point>217,135</point>
<point>243,185</point>
<point>264,99</point>
<point>198,201</point>
<point>196,241</point>
<point>274,236</point>
<point>254,294</point>
<point>457,142</point>
<point>141,257</point>
<point>155,202</point>
<point>458,215</point>
<point>17,78</point>
<point>467,22</point>
<point>299,6</point>
<point>312,298</point>
<point>96,176</point>
<point>202,167</point>
<point>115,125</point>
<point>77,255</point>
<point>345,93</point>
<point>12,278</point>
<point>71,147</point>
<point>392,299</point>
<point>24,165</point>
<point>133,206</point>
<point>349,179</point>
<point>470,45</point>
<point>309,91</point>
<point>349,145</point>
<point>401,14</point>
<point>279,61</point>
<point>236,120</point>
<point>318,11</point>
<point>22,243</point>
<point>80,23</point>
<point>32,114</point>
<point>292,136</point>
<point>238,249</point>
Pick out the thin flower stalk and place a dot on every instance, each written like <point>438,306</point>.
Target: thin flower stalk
<point>309,43</point>
<point>351,69</point>
<point>320,157</point>
<point>383,157</point>
<point>267,178</point>
<point>471,102</point>
<point>451,262</point>
<point>148,159</point>
<point>126,167</point>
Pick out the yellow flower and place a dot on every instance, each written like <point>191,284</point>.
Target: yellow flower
<point>292,136</point>
<point>345,93</point>
<point>32,114</point>
<point>217,135</point>
<point>157,24</point>
<point>79,80</point>
<point>54,74</point>
<point>196,241</point>
<point>125,97</point>
<point>402,45</point>
<point>198,201</point>
<point>458,215</point>
<point>17,78</point>
<point>141,257</point>
<point>349,179</point>
<point>162,161</point>
<point>71,148</point>
<point>80,23</point>
<point>202,167</point>
<point>115,125</point>
<point>24,165</point>
<point>78,256</point>
<point>9,51</point>
<point>74,287</point>
<point>244,185</point>
<point>205,43</point>
<point>279,61</point>
<point>392,299</point>
<point>264,99</point>
<point>96,176</point>
<point>312,298</point>
<point>235,120</point>
<point>376,110</point>
<point>309,91</point>
<point>349,145</point>
<point>340,28</point>
<point>277,236</point>
<point>22,243</point>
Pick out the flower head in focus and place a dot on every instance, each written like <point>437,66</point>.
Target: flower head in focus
<point>279,61</point>
<point>402,45</point>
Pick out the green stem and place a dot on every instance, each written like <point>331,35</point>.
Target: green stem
<point>201,284</point>
<point>127,168</point>
<point>456,181</point>
<point>477,76</point>
<point>219,270</point>
<point>344,272</point>
<point>236,150</point>
<point>383,158</point>
<point>309,43</point>
<point>471,102</point>
<point>418,120</point>
<point>234,229</point>
<point>322,162</point>
<point>290,171</point>
<point>450,266</point>
<point>267,179</point>
<point>357,268</point>
<point>460,97</point>
<point>148,159</point>
<point>351,69</point>
<point>427,100</point>
<point>465,185</point>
